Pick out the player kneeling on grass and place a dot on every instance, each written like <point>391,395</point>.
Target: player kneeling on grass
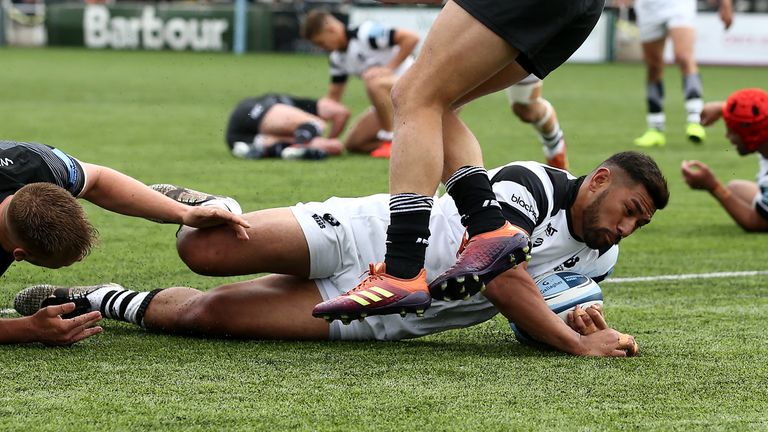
<point>746,118</point>
<point>42,223</point>
<point>318,249</point>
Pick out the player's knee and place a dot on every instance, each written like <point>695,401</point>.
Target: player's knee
<point>407,97</point>
<point>684,59</point>
<point>525,112</point>
<point>199,257</point>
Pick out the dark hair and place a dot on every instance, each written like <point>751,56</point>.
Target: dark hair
<point>314,23</point>
<point>642,169</point>
<point>49,222</point>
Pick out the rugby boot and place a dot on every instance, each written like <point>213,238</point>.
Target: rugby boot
<point>378,294</point>
<point>31,299</point>
<point>557,157</point>
<point>482,258</point>
<point>695,133</point>
<point>384,151</point>
<point>652,137</point>
<point>195,198</point>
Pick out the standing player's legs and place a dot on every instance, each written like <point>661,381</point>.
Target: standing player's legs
<point>653,57</point>
<point>527,104</point>
<point>362,135</point>
<point>683,40</point>
<point>379,89</point>
<point>422,100</point>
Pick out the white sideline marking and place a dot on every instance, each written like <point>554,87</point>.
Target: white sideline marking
<point>7,311</point>
<point>686,276</point>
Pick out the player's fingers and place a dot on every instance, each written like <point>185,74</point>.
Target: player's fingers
<point>57,310</point>
<point>618,353</point>
<point>83,321</point>
<point>597,318</point>
<point>578,321</point>
<point>86,333</point>
<point>628,344</point>
<point>599,308</point>
<point>589,325</point>
<point>240,232</point>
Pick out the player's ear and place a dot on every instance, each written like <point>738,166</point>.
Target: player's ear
<point>600,179</point>
<point>19,254</point>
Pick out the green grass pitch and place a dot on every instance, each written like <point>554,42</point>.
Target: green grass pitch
<point>160,117</point>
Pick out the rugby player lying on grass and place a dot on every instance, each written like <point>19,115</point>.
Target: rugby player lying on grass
<point>318,249</point>
<point>42,223</point>
<point>746,118</point>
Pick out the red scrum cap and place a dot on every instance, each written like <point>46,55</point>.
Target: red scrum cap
<point>746,114</point>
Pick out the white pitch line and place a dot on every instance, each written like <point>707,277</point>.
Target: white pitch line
<point>686,276</point>
<point>7,311</point>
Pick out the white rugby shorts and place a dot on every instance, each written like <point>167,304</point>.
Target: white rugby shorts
<point>346,234</point>
<point>656,17</point>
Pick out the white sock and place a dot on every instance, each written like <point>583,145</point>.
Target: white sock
<point>116,302</point>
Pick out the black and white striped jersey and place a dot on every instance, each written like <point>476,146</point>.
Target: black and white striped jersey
<point>538,198</point>
<point>371,44</point>
<point>761,200</point>
<point>22,163</point>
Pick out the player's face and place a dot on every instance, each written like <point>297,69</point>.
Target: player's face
<point>331,38</point>
<point>50,262</point>
<point>615,213</point>
<point>735,139</point>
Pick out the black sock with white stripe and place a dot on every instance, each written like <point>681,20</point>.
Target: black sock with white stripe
<point>408,234</point>
<point>122,304</point>
<point>471,190</point>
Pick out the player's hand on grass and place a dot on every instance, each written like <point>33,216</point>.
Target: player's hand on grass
<point>204,217</point>
<point>698,175</point>
<point>587,321</point>
<point>50,328</point>
<point>608,343</point>
<point>711,113</point>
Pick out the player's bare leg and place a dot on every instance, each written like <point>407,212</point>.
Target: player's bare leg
<point>421,101</point>
<point>276,245</point>
<point>653,57</point>
<point>683,41</point>
<point>270,307</point>
<point>528,106</point>
<point>361,137</point>
<point>379,88</point>
<point>283,120</point>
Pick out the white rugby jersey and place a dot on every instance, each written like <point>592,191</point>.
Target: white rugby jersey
<point>537,198</point>
<point>371,44</point>
<point>532,196</point>
<point>761,200</point>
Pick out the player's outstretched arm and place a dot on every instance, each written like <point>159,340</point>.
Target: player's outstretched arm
<point>516,296</point>
<point>711,113</point>
<point>334,112</point>
<point>122,194</point>
<point>698,176</point>
<point>47,326</point>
